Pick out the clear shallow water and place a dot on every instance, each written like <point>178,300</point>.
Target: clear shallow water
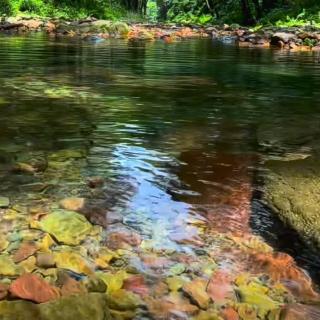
<point>177,132</point>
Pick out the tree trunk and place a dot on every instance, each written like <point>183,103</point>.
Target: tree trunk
<point>247,15</point>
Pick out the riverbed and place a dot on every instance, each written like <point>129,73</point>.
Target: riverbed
<point>140,166</point>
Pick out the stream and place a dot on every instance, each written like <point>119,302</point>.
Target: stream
<point>161,147</point>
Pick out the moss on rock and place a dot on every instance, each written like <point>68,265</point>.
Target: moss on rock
<point>292,190</point>
<point>91,306</point>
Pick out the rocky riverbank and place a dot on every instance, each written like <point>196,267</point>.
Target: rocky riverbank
<point>296,38</point>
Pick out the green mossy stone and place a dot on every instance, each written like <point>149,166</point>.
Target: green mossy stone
<point>4,202</point>
<point>67,227</point>
<point>91,306</point>
<point>292,190</point>
<point>123,300</point>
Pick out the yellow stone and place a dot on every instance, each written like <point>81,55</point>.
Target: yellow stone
<point>114,281</point>
<point>196,289</point>
<point>67,227</point>
<point>105,256</point>
<point>45,244</point>
<point>73,204</point>
<point>8,267</point>
<point>72,261</point>
<point>176,283</point>
<point>29,265</point>
<point>3,243</point>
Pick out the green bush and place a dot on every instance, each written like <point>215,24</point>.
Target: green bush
<point>6,7</point>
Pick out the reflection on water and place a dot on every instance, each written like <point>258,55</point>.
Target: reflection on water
<point>175,133</point>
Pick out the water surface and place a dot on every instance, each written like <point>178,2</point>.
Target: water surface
<point>178,133</point>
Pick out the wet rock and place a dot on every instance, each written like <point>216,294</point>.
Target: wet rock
<point>160,289</point>
<point>196,290</point>
<point>45,260</point>
<point>26,250</point>
<point>300,311</point>
<point>91,306</point>
<point>29,264</point>
<point>123,238</point>
<point>208,315</point>
<point>155,262</point>
<point>33,288</point>
<point>256,295</point>
<point>282,267</point>
<point>4,243</point>
<point>136,284</point>
<point>4,202</point>
<point>67,227</point>
<point>94,284</point>
<point>114,281</point>
<point>46,243</point>
<point>282,36</point>
<point>72,204</point>
<point>220,288</point>
<point>123,315</point>
<point>229,314</point>
<point>188,236</point>
<point>291,189</point>
<point>49,26</point>
<point>177,269</point>
<point>72,261</point>
<point>123,300</point>
<point>71,286</point>
<point>95,182</point>
<point>167,307</point>
<point>105,257</point>
<point>113,217</point>
<point>4,288</point>
<point>140,34</point>
<point>176,283</point>
<point>8,267</point>
<point>24,168</point>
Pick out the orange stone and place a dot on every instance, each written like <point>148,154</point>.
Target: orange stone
<point>32,287</point>
<point>71,287</point>
<point>229,314</point>
<point>26,250</point>
<point>220,287</point>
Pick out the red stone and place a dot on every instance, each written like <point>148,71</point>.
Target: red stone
<point>137,285</point>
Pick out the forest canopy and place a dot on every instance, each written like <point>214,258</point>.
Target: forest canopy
<point>246,12</point>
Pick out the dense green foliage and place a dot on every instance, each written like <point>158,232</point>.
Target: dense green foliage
<point>249,12</point>
<point>282,12</point>
<point>108,9</point>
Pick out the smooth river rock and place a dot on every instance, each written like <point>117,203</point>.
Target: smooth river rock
<point>292,190</point>
<point>34,288</point>
<point>91,306</point>
<point>67,227</point>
